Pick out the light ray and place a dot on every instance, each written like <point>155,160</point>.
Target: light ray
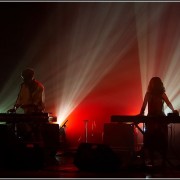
<point>89,62</point>
<point>74,49</point>
<point>158,48</point>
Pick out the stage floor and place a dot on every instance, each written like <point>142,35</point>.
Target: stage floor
<point>63,167</point>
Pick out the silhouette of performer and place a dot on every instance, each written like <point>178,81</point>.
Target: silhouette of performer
<point>31,97</point>
<point>156,134</point>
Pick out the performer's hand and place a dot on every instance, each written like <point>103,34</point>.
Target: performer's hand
<point>13,110</point>
<point>140,114</point>
<point>176,112</point>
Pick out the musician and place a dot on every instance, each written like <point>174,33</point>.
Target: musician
<point>156,134</point>
<point>31,97</point>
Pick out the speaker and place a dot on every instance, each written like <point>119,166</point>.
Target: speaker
<point>50,134</point>
<point>27,156</point>
<point>96,157</point>
<point>17,154</point>
<point>119,135</point>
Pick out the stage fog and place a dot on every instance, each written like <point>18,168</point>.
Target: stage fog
<point>94,59</point>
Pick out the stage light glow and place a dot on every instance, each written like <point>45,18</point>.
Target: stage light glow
<point>74,63</point>
<point>93,52</point>
<point>158,40</point>
<point>9,92</point>
<point>83,45</point>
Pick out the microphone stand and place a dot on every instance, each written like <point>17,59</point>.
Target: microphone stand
<point>86,130</point>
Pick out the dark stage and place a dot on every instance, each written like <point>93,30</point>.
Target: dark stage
<point>95,60</point>
<point>68,164</point>
<point>44,152</point>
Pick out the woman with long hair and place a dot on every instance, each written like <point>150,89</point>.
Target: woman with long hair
<point>156,134</point>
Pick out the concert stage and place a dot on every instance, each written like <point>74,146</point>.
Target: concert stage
<point>116,157</point>
<point>64,167</point>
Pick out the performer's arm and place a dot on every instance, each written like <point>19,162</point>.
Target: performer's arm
<point>165,98</point>
<point>144,104</point>
<point>17,103</point>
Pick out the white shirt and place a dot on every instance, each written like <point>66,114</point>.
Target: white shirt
<point>31,97</point>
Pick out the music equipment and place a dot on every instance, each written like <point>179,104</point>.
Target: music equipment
<point>119,135</point>
<point>28,139</point>
<point>144,119</point>
<point>96,157</point>
<point>153,120</point>
<point>34,117</point>
<point>135,120</point>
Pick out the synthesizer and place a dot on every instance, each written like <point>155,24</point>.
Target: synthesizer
<point>35,117</point>
<point>143,119</point>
